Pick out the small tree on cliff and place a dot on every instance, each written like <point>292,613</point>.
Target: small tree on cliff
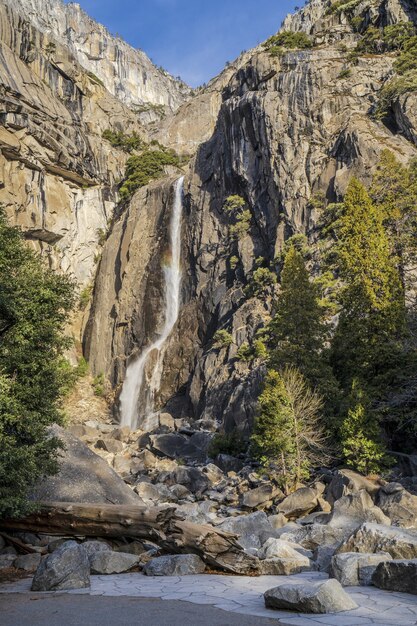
<point>34,308</point>
<point>288,433</point>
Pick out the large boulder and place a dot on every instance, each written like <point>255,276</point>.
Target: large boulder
<point>397,576</point>
<point>353,510</point>
<point>191,477</point>
<point>299,503</point>
<point>83,477</point>
<point>399,505</point>
<point>310,597</point>
<point>346,482</point>
<point>66,568</point>
<point>107,562</point>
<point>177,565</point>
<point>252,529</point>
<point>260,496</point>
<point>371,538</point>
<point>282,559</point>
<point>353,568</point>
<point>177,446</point>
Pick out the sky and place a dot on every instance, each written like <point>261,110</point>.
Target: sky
<point>191,38</point>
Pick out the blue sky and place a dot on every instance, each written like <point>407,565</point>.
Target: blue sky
<point>191,38</point>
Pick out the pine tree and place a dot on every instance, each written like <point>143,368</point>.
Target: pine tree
<point>298,331</point>
<point>361,446</point>
<point>288,435</point>
<point>371,298</point>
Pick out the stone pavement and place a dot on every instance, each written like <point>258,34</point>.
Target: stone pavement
<point>244,595</point>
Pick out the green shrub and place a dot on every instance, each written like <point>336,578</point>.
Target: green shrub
<point>82,367</point>
<point>222,339</point>
<point>85,297</point>
<point>245,352</point>
<point>393,89</point>
<point>288,39</point>
<point>234,261</point>
<point>99,385</point>
<point>347,73</point>
<point>343,6</point>
<point>144,167</point>
<point>125,142</point>
<point>227,443</point>
<point>263,279</point>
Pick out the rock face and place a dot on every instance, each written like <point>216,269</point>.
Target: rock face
<point>178,565</point>
<point>83,477</point>
<point>127,73</point>
<point>287,129</point>
<point>311,597</point>
<point>397,576</point>
<point>66,568</point>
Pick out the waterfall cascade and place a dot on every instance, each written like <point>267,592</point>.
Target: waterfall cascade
<point>138,393</point>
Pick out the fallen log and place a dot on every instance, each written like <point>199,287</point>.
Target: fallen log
<point>217,548</point>
<point>95,520</point>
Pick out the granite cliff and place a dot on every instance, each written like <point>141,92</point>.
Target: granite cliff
<point>275,130</point>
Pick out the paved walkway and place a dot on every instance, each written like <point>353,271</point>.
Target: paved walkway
<point>244,595</point>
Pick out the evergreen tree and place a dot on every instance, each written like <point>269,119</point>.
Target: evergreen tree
<point>288,435</point>
<point>298,331</point>
<point>34,307</point>
<point>366,342</point>
<point>361,445</point>
<point>394,192</point>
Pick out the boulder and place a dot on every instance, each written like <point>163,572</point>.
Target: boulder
<point>299,503</point>
<point>66,568</point>
<point>353,510</point>
<point>27,562</point>
<point>282,567</point>
<point>177,565</point>
<point>192,478</point>
<point>83,477</point>
<point>252,529</point>
<point>228,463</point>
<point>397,576</point>
<point>277,548</point>
<point>176,446</point>
<point>371,538</point>
<point>214,474</point>
<point>353,568</point>
<point>92,547</point>
<point>399,505</point>
<point>110,445</point>
<point>154,493</point>
<point>277,521</point>
<point>310,597</point>
<point>346,482</point>
<point>7,560</point>
<point>322,557</point>
<point>262,495</point>
<point>107,562</point>
<point>199,512</point>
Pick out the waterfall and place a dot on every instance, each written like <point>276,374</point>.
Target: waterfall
<point>135,386</point>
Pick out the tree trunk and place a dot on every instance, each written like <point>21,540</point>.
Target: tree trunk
<point>217,548</point>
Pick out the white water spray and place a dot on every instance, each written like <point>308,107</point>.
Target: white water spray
<point>135,386</point>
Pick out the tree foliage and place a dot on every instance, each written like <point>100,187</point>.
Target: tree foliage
<point>288,435</point>
<point>35,304</point>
